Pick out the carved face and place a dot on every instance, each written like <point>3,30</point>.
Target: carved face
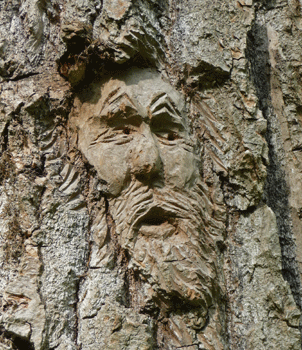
<point>134,131</point>
<point>137,129</point>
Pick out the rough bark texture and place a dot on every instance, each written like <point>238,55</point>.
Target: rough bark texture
<point>150,174</point>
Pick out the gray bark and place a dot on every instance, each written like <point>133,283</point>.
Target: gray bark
<point>150,174</point>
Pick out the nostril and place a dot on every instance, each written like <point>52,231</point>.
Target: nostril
<point>150,175</point>
<point>144,170</point>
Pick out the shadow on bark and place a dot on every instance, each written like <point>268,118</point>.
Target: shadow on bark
<point>276,189</point>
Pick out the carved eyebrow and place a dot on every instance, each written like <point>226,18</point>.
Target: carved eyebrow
<point>156,98</point>
<point>114,98</point>
<point>111,95</point>
<point>162,103</point>
<point>116,105</point>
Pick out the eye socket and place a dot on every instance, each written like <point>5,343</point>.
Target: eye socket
<point>167,137</point>
<point>126,131</point>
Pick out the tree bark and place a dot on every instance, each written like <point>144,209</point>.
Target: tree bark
<point>150,174</point>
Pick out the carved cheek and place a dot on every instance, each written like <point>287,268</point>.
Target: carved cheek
<point>110,162</point>
<point>180,167</point>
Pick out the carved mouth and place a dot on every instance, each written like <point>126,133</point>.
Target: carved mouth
<point>155,216</point>
<point>156,222</point>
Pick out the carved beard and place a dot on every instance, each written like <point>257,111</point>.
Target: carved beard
<point>164,231</point>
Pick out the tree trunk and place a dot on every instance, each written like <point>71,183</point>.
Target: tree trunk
<point>150,174</point>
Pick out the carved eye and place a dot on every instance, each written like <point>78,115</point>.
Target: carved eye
<point>126,131</point>
<point>172,136</point>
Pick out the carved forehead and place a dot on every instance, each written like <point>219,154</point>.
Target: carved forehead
<point>145,84</point>
<point>142,86</point>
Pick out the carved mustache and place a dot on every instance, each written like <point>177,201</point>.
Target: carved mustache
<point>141,202</point>
<point>156,206</point>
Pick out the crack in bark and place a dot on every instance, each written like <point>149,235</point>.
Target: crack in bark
<point>20,77</point>
<point>276,191</point>
<point>187,346</point>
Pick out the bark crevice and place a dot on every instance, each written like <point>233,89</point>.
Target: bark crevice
<point>276,192</point>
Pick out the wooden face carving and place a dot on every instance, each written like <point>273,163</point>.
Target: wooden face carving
<point>135,133</point>
<point>138,131</point>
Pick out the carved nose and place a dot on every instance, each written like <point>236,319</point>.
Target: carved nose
<point>146,161</point>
